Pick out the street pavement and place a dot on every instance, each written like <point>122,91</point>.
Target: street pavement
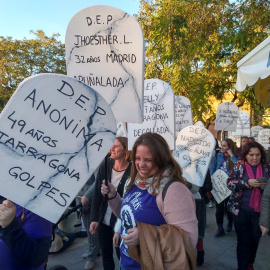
<point>220,253</point>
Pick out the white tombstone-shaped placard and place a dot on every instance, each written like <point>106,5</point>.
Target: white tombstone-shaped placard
<point>227,115</point>
<point>236,138</point>
<point>243,124</point>
<point>194,147</point>
<point>121,130</point>
<point>159,113</point>
<point>220,190</point>
<point>254,131</point>
<point>55,131</point>
<point>263,137</point>
<point>199,124</point>
<point>183,114</point>
<point>105,50</point>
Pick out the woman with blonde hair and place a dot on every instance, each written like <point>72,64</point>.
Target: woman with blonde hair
<point>102,219</point>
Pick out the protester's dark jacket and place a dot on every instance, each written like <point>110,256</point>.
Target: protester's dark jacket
<point>99,202</point>
<point>265,207</point>
<point>88,190</point>
<point>207,187</point>
<point>25,242</point>
<point>238,152</point>
<point>268,155</point>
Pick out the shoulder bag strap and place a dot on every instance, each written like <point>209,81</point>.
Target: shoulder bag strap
<point>164,191</point>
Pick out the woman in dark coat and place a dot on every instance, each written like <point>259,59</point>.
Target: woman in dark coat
<point>102,218</point>
<point>246,181</point>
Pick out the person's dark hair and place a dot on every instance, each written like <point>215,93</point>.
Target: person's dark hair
<point>250,145</point>
<point>252,139</point>
<point>217,148</point>
<point>243,137</point>
<point>232,146</point>
<point>162,158</point>
<point>124,142</point>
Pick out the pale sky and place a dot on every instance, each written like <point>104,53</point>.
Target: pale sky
<point>18,17</point>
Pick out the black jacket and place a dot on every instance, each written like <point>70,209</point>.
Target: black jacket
<point>99,202</point>
<point>207,186</point>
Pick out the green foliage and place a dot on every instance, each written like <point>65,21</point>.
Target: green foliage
<point>20,59</point>
<point>195,46</point>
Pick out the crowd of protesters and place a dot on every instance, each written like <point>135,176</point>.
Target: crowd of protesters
<point>136,198</point>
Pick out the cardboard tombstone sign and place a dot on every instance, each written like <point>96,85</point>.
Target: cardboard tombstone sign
<point>159,113</point>
<point>105,50</point>
<point>227,116</point>
<point>183,114</point>
<point>254,131</point>
<point>220,190</point>
<point>55,131</point>
<point>194,147</point>
<point>199,124</point>
<point>121,130</point>
<point>243,125</point>
<point>263,137</point>
<point>236,138</point>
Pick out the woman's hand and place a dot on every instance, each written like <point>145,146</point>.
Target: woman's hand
<point>84,200</point>
<point>7,213</point>
<point>230,152</point>
<point>132,239</point>
<point>116,239</point>
<point>93,227</point>
<point>264,230</point>
<point>254,183</point>
<point>108,190</point>
<point>263,185</point>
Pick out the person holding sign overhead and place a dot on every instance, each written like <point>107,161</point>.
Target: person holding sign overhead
<point>102,219</point>
<point>155,205</point>
<point>25,238</point>
<point>224,160</point>
<point>246,181</point>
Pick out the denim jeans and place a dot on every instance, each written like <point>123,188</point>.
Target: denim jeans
<point>93,244</point>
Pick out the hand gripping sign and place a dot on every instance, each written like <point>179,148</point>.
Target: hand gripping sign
<point>54,133</point>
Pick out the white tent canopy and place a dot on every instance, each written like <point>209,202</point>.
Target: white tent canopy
<point>254,66</point>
